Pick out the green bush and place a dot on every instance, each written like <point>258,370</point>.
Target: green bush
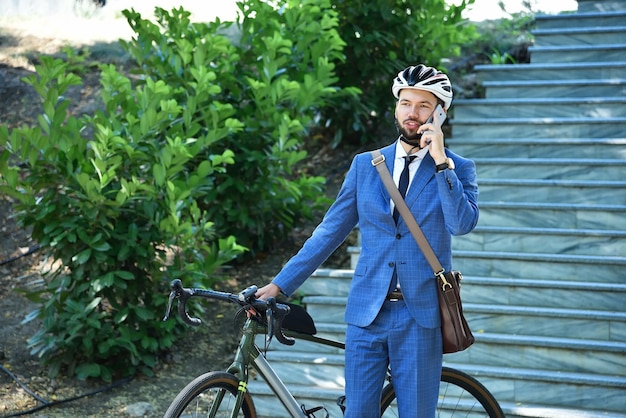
<point>383,37</point>
<point>278,73</point>
<point>116,215</point>
<point>505,41</point>
<point>189,158</point>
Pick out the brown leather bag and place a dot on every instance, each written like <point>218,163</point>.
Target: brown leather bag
<point>455,331</point>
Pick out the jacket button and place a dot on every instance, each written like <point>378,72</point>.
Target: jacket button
<point>398,236</point>
<point>391,264</point>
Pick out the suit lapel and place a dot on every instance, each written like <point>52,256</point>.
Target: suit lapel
<point>424,173</point>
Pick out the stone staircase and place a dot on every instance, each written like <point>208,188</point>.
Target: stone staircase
<point>545,269</point>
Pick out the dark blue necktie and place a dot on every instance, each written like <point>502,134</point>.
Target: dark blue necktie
<point>403,184</point>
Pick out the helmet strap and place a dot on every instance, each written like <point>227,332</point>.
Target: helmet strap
<point>415,143</point>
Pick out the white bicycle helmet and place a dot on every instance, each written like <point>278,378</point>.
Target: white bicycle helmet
<point>421,77</point>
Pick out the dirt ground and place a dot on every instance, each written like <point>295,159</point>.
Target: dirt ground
<point>205,349</point>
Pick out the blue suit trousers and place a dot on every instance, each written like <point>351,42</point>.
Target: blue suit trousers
<point>415,360</point>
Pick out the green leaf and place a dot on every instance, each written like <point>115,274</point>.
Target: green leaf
<point>92,305</point>
<point>159,174</point>
<point>101,246</point>
<point>204,169</point>
<point>121,315</point>
<point>83,371</point>
<point>32,315</point>
<point>143,313</point>
<point>82,257</point>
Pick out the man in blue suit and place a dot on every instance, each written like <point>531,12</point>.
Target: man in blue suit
<point>392,311</point>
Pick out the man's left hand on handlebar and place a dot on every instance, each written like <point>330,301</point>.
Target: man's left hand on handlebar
<point>268,291</point>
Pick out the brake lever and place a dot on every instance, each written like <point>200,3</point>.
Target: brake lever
<point>275,322</point>
<point>182,294</point>
<point>269,315</point>
<point>168,310</point>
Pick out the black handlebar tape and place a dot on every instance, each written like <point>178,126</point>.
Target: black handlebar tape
<point>183,295</point>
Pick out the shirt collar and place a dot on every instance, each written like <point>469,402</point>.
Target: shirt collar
<point>401,153</point>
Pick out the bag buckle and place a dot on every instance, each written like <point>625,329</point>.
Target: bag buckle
<point>378,160</point>
<point>444,282</point>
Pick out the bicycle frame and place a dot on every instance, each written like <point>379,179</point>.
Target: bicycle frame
<point>249,354</point>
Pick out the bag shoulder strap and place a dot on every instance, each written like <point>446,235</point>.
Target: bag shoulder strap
<point>378,162</point>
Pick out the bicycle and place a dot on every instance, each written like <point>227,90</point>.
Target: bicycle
<point>225,394</point>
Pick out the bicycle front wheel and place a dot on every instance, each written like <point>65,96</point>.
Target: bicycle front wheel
<point>460,395</point>
<point>213,394</point>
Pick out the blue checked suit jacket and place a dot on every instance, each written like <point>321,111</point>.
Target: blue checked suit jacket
<point>443,204</point>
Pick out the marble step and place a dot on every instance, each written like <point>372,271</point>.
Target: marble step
<point>527,128</point>
<point>267,406</point>
<point>554,240</point>
<point>527,410</point>
<point>328,282</point>
<point>528,265</point>
<point>577,53</point>
<point>595,6</point>
<point>589,330</point>
<point>573,88</point>
<point>539,147</point>
<point>546,293</point>
<point>552,71</point>
<point>553,191</point>
<point>535,321</point>
<point>526,387</point>
<point>588,107</point>
<point>581,20</point>
<point>594,242</point>
<point>580,35</point>
<point>307,363</point>
<point>539,265</point>
<point>321,373</point>
<point>539,292</point>
<point>552,215</point>
<point>551,168</point>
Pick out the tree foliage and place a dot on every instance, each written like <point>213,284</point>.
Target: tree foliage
<point>383,37</point>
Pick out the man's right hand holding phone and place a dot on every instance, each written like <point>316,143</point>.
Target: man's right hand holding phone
<point>432,136</point>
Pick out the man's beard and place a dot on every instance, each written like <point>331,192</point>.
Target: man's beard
<point>411,139</point>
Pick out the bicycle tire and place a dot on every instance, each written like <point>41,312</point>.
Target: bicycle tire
<point>459,395</point>
<point>202,393</point>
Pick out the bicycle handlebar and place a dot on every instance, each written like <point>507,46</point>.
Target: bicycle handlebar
<point>275,311</point>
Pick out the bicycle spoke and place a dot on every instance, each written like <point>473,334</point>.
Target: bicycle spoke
<point>460,395</point>
<point>457,402</point>
<point>214,402</point>
<point>212,395</point>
